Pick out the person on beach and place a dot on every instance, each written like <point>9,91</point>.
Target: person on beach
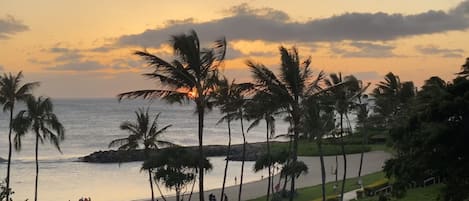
<point>211,197</point>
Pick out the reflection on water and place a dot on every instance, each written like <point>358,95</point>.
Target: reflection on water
<point>67,180</point>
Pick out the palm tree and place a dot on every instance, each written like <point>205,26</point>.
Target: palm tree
<point>143,131</point>
<point>342,97</point>
<point>259,108</point>
<point>318,121</point>
<point>362,115</point>
<point>464,69</point>
<point>289,89</point>
<point>11,91</point>
<point>39,117</point>
<point>192,76</point>
<point>175,167</point>
<point>230,99</point>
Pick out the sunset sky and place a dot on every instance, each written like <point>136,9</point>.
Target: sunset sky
<point>84,48</point>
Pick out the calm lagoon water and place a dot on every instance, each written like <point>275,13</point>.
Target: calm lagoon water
<point>90,125</point>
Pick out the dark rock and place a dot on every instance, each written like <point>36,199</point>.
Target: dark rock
<point>253,150</point>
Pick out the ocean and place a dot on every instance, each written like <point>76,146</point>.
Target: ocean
<point>90,125</point>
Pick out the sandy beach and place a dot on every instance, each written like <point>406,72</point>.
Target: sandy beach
<point>372,162</point>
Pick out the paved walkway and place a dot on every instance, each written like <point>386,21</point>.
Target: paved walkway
<point>373,162</point>
<point>351,195</point>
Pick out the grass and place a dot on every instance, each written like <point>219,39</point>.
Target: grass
<point>418,194</point>
<point>310,148</point>
<point>314,192</point>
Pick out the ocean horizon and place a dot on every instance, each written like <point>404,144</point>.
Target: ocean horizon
<point>90,124</point>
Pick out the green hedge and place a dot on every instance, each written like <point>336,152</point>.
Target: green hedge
<point>370,189</point>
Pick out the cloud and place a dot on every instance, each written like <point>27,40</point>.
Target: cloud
<point>435,50</point>
<point>362,49</point>
<point>246,23</point>
<point>79,66</point>
<point>65,54</point>
<point>85,66</point>
<point>10,26</point>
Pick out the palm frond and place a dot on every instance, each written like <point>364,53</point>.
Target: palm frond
<point>149,94</point>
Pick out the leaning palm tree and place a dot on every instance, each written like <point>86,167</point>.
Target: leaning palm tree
<point>342,101</point>
<point>39,117</point>
<point>11,91</point>
<point>294,83</point>
<point>228,96</point>
<point>143,131</point>
<point>191,76</point>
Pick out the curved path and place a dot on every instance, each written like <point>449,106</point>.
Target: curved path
<point>372,162</point>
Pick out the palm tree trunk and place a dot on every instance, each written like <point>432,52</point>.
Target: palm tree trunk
<point>323,170</point>
<point>364,143</point>
<point>192,190</point>
<point>37,166</point>
<point>159,190</point>
<point>288,162</point>
<point>344,156</point>
<point>295,154</point>
<point>178,194</point>
<point>151,185</point>
<point>200,111</point>
<point>244,157</point>
<point>9,154</point>
<point>228,151</point>
<point>269,161</point>
<point>145,150</point>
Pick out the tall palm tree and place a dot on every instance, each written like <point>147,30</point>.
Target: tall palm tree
<point>40,118</point>
<point>229,97</point>
<point>11,91</point>
<point>342,100</point>
<point>362,115</point>
<point>191,76</point>
<point>143,131</point>
<point>294,83</point>
<point>319,121</point>
<point>259,108</point>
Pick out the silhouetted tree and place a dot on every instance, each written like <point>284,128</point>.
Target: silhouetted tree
<point>294,83</point>
<point>175,167</point>
<point>434,130</point>
<point>143,131</point>
<point>343,97</point>
<point>318,121</point>
<point>229,97</point>
<point>464,69</point>
<point>11,92</point>
<point>39,117</point>
<point>192,76</point>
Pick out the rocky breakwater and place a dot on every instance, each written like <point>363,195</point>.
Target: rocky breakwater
<point>253,150</point>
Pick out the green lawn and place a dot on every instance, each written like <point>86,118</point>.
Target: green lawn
<point>310,148</point>
<point>314,192</point>
<point>418,194</point>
